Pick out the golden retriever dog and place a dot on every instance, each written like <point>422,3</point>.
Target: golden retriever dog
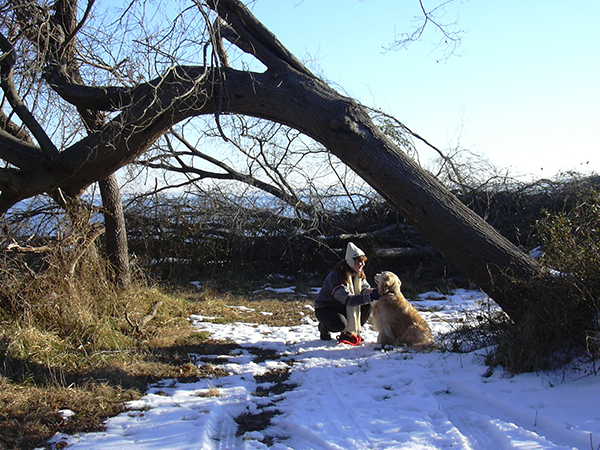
<point>397,321</point>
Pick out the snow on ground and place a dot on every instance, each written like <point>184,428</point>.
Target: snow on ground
<point>320,395</point>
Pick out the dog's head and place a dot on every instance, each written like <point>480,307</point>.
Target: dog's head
<point>388,282</point>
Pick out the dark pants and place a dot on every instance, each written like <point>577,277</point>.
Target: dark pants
<point>334,319</point>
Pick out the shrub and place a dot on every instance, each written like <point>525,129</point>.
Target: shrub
<point>563,322</point>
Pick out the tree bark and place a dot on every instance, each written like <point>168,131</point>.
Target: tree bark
<point>116,233</point>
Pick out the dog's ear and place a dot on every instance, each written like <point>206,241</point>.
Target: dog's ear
<point>387,284</point>
<point>392,283</point>
<point>398,283</point>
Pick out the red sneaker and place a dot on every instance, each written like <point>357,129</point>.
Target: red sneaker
<point>349,338</point>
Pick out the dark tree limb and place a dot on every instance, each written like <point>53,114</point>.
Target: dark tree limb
<point>7,62</point>
<point>62,55</point>
<point>6,124</point>
<point>19,152</point>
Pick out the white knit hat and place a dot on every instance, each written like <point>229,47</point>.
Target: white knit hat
<point>352,251</point>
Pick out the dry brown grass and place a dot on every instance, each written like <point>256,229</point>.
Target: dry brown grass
<point>39,380</point>
<point>78,344</point>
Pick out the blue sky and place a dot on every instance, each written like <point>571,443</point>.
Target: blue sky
<point>523,88</point>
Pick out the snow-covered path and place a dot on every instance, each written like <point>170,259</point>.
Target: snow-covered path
<point>287,390</point>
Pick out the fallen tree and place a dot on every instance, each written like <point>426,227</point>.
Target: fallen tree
<point>287,93</point>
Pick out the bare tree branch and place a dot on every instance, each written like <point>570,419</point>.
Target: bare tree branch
<point>19,153</point>
<point>450,39</point>
<point>229,173</point>
<point>69,39</point>
<point>447,159</point>
<point>13,129</point>
<point>7,62</point>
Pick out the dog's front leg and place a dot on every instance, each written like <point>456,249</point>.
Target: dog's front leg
<point>386,336</point>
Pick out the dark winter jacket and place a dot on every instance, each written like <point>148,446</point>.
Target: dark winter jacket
<point>336,293</point>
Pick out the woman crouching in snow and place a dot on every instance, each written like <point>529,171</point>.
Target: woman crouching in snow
<point>343,303</point>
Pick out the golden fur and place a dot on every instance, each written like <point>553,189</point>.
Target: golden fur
<point>397,321</point>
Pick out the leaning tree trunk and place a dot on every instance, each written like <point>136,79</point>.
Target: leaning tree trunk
<point>345,129</point>
<point>306,103</point>
<point>116,232</point>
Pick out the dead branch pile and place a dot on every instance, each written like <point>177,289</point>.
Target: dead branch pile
<point>188,237</point>
<point>179,239</point>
